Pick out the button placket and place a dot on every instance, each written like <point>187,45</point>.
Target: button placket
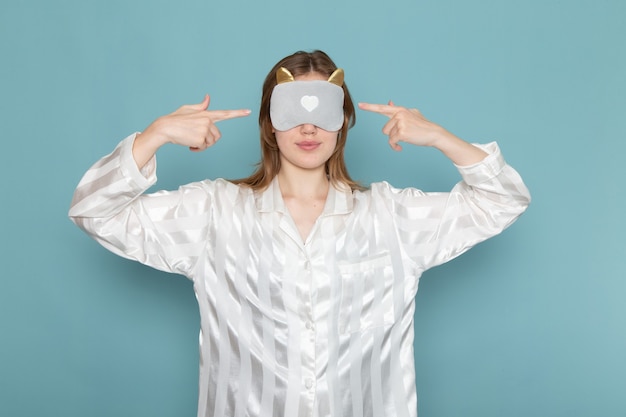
<point>309,325</point>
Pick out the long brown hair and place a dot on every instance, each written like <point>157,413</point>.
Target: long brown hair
<point>300,63</point>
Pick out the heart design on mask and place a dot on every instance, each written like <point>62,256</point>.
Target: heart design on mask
<point>310,103</point>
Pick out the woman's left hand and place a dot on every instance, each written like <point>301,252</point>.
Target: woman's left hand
<point>409,126</point>
<point>406,125</point>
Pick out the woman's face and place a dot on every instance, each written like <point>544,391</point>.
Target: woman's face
<point>306,146</point>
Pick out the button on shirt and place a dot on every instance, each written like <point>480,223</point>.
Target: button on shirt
<point>291,328</point>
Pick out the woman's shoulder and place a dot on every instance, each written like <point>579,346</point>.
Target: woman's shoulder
<point>216,187</point>
<point>383,191</point>
<point>384,187</point>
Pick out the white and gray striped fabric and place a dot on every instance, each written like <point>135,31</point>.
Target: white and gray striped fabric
<point>291,328</point>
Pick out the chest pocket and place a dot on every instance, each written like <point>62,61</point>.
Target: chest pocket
<point>367,294</point>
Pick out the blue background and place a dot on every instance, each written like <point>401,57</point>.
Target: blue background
<point>528,323</point>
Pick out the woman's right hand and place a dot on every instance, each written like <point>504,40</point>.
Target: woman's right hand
<point>192,125</point>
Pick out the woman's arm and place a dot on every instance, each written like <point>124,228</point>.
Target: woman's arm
<point>109,202</point>
<point>437,227</point>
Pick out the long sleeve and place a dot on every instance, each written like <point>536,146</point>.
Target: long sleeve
<point>165,230</point>
<point>436,227</point>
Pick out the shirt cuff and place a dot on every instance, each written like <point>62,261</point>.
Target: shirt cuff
<point>486,169</point>
<point>142,178</point>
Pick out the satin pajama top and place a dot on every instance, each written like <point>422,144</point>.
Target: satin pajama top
<point>322,327</point>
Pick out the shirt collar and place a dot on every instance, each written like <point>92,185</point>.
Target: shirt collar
<point>338,201</point>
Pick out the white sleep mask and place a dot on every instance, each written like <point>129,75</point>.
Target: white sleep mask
<point>316,102</point>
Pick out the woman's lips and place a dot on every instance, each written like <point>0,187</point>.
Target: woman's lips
<point>308,146</point>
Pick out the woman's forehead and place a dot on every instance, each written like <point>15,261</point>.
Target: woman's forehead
<point>311,76</point>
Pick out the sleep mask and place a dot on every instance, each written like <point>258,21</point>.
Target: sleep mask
<point>316,102</point>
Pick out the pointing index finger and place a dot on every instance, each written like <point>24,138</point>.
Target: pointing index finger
<point>219,115</point>
<point>384,109</point>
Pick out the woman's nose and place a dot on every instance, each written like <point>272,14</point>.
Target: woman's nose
<point>308,129</point>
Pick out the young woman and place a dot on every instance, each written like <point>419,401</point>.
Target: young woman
<point>305,280</point>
